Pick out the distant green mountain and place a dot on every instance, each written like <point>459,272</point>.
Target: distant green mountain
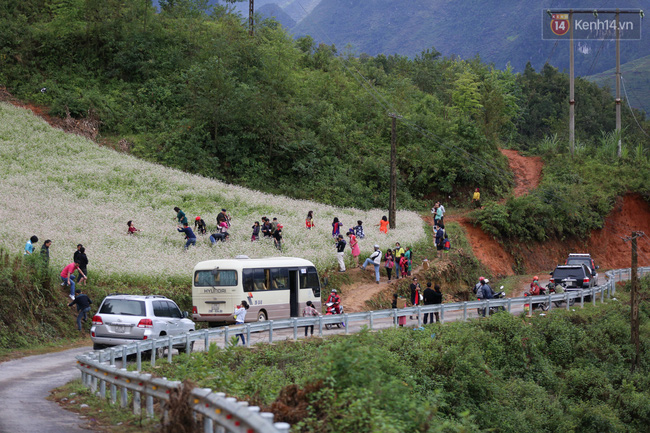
<point>636,81</point>
<point>500,32</point>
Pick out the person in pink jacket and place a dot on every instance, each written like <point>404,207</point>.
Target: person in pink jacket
<point>67,277</point>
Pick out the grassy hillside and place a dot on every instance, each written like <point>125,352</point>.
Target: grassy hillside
<point>67,189</point>
<point>636,76</point>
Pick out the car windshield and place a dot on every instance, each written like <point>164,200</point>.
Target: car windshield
<point>563,273</point>
<point>123,307</point>
<point>579,260</point>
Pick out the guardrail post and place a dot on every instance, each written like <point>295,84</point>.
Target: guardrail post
<point>465,311</point>
<point>102,388</point>
<point>593,296</point>
<point>270,331</point>
<point>345,323</point>
<point>582,299</point>
<point>550,304</point>
<point>136,403</point>
<point>123,393</point>
<point>149,404</point>
<point>320,326</point>
<point>206,340</point>
<point>93,384</point>
<point>370,320</point>
<point>248,335</point>
<point>395,317</point>
<point>207,425</point>
<point>138,357</point>
<point>112,350</point>
<point>124,355</point>
<point>294,323</point>
<point>282,427</point>
<point>188,349</point>
<point>442,313</point>
<point>602,294</point>
<point>419,312</point>
<point>113,393</point>
<point>567,300</point>
<point>154,353</point>
<point>169,349</point>
<point>226,331</point>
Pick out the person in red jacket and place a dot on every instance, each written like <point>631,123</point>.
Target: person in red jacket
<point>535,289</point>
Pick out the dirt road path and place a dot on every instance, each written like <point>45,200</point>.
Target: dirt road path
<point>25,384</point>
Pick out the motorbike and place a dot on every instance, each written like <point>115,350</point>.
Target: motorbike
<point>499,295</point>
<point>554,288</point>
<point>330,311</point>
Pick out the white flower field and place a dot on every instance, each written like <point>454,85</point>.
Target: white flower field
<point>65,188</point>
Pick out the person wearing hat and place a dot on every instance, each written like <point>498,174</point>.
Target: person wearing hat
<point>535,289</point>
<point>199,225</point>
<point>484,292</point>
<point>335,299</point>
<point>375,260</point>
<point>223,217</point>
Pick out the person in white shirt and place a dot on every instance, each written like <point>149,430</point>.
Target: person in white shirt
<point>375,260</point>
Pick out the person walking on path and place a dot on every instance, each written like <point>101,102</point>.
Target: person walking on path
<point>383,225</point>
<point>189,235</point>
<point>427,299</point>
<point>375,260</point>
<point>29,246</point>
<point>180,216</point>
<point>82,301</point>
<point>45,251</point>
<point>440,234</point>
<point>409,260</point>
<point>67,277</point>
<point>389,263</point>
<point>354,246</point>
<point>240,318</point>
<point>340,248</point>
<point>310,311</point>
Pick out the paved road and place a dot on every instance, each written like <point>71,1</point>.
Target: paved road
<point>24,385</point>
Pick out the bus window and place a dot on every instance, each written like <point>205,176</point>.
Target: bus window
<point>255,280</point>
<point>279,278</point>
<point>215,277</point>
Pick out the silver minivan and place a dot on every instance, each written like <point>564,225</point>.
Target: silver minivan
<point>123,319</point>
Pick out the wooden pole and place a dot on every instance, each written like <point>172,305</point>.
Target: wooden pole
<point>618,81</point>
<point>251,12</point>
<point>634,301</point>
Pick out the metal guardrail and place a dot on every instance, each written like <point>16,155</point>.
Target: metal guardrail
<point>226,414</point>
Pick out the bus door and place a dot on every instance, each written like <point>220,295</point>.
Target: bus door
<point>293,293</point>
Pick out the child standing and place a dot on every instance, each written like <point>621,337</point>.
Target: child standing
<point>240,318</point>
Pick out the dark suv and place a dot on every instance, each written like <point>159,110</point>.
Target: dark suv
<point>585,259</point>
<point>577,276</point>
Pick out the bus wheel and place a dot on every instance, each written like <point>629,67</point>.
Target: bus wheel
<point>261,316</point>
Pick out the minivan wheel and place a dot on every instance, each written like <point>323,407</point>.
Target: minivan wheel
<point>261,316</point>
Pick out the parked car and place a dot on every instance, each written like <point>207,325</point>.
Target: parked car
<point>586,259</point>
<point>123,319</point>
<point>573,277</point>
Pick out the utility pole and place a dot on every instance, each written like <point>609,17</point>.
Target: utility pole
<point>251,12</point>
<point>392,201</point>
<point>572,101</point>
<point>634,299</point>
<point>618,80</point>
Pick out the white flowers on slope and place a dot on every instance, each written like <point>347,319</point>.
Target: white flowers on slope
<point>65,188</point>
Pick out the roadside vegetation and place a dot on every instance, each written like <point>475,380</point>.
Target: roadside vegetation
<point>569,371</point>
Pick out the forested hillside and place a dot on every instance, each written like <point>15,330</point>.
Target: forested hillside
<point>190,88</point>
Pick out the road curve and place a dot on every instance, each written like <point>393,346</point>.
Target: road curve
<point>25,384</point>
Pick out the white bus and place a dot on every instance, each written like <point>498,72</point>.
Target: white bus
<point>275,288</point>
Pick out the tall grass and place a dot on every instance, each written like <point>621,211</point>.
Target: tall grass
<point>65,188</point>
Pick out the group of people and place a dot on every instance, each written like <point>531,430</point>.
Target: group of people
<point>399,259</point>
<point>76,270</point>
<point>419,297</point>
<point>221,234</point>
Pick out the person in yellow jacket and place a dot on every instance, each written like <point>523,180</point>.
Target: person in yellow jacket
<point>476,198</point>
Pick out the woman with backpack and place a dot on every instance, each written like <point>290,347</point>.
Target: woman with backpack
<point>389,263</point>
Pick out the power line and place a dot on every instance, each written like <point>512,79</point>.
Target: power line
<point>627,99</point>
